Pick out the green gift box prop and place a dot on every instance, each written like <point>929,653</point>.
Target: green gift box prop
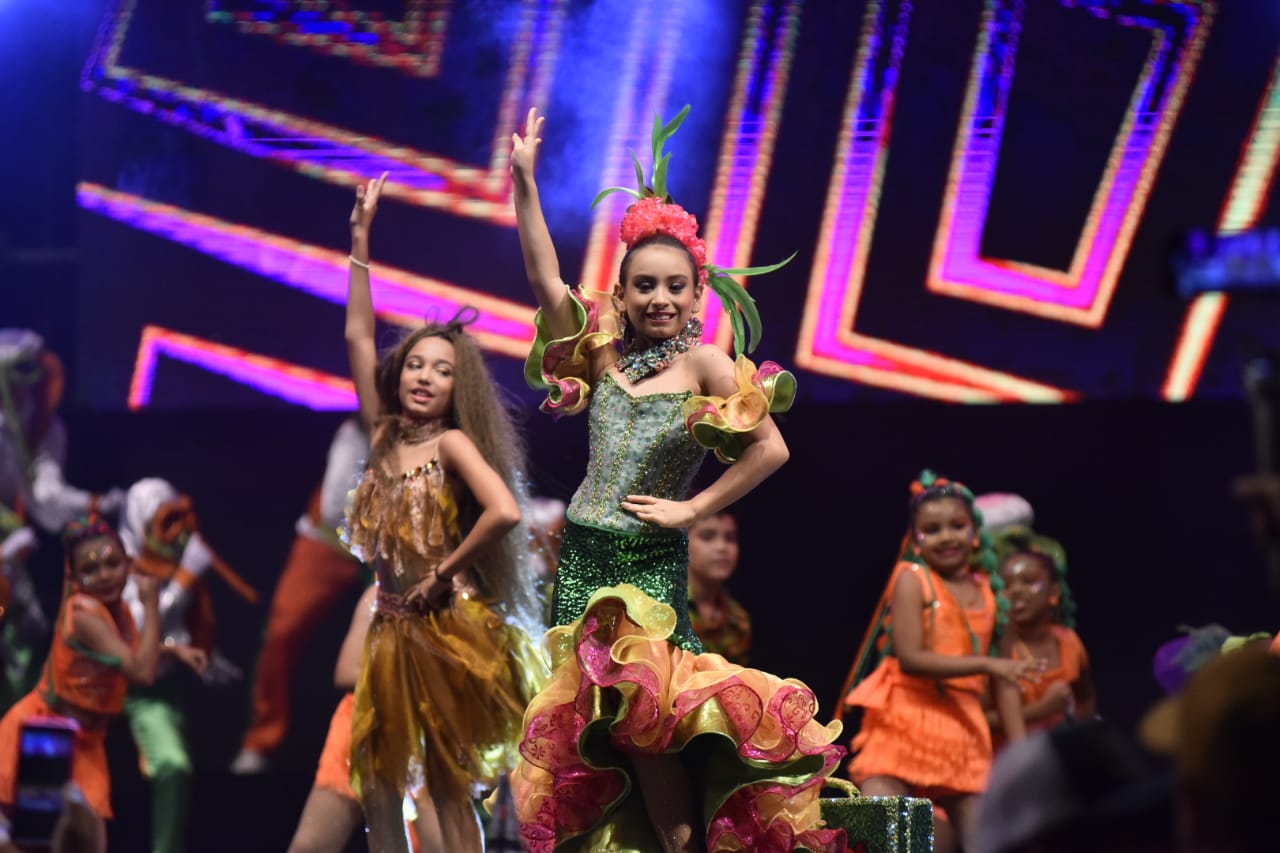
<point>879,824</point>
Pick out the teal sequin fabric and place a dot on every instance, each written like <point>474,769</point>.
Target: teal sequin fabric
<point>639,446</point>
<point>882,824</point>
<point>591,558</point>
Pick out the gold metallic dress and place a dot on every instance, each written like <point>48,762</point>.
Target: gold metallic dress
<point>441,693</point>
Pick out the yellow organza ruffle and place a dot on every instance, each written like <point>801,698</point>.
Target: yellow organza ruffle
<point>440,698</point>
<point>721,423</point>
<point>562,366</point>
<point>620,690</point>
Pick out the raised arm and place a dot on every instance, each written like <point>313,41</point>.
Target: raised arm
<point>98,635</point>
<point>540,262</point>
<point>499,512</point>
<point>362,350</point>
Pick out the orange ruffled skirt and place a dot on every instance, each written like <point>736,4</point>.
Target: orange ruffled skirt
<point>440,698</point>
<point>749,740</point>
<point>937,741</point>
<point>89,768</point>
<point>334,770</point>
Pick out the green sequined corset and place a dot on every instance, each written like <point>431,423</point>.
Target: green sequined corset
<point>639,446</point>
<point>591,559</point>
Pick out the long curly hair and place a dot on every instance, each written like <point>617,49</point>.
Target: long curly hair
<point>506,571</point>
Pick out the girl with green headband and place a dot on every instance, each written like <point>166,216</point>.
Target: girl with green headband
<point>1042,627</point>
<point>924,732</point>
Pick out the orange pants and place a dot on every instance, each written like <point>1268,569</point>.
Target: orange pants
<point>88,760</point>
<point>315,578</point>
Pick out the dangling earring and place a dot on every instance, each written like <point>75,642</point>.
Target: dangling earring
<point>1053,601</point>
<point>620,312</point>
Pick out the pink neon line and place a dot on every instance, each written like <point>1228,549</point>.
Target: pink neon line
<point>330,153</point>
<point>303,386</point>
<point>399,295</point>
<point>859,178</point>
<point>739,191</point>
<point>1120,198</point>
<point>412,45</point>
<point>1250,188</point>
<point>827,343</point>
<point>653,62</point>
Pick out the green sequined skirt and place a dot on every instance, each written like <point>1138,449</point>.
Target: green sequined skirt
<point>591,559</point>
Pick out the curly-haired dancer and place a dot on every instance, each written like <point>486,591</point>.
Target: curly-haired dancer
<point>448,663</point>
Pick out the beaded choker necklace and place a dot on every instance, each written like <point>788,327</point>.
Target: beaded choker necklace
<point>416,432</point>
<point>638,364</point>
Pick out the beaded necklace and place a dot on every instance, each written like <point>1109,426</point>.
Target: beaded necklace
<point>639,364</point>
<point>414,431</point>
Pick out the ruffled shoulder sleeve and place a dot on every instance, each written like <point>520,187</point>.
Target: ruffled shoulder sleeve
<point>722,423</point>
<point>562,366</point>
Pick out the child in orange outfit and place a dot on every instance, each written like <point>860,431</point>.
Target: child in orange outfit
<point>924,731</point>
<point>1042,619</point>
<point>97,651</point>
<point>332,811</point>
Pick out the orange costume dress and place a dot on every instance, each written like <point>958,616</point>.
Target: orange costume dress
<point>441,694</point>
<point>1074,662</point>
<point>334,771</point>
<point>930,733</point>
<point>76,683</point>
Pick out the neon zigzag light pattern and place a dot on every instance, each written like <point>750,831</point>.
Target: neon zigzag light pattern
<point>335,154</point>
<point>401,297</point>
<point>311,388</point>
<point>746,151</point>
<point>412,45</point>
<point>746,154</point>
<point>827,342</point>
<point>736,199</point>
<point>1246,200</point>
<point>1083,293</point>
<point>650,50</point>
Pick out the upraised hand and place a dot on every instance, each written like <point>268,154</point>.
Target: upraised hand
<point>367,195</point>
<point>524,149</point>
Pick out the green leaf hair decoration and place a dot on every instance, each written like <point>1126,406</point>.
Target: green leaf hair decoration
<point>744,316</point>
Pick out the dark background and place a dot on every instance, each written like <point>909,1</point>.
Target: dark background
<point>1136,489</point>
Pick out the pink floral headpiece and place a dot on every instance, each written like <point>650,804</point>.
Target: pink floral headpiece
<point>655,213</point>
<point>651,216</point>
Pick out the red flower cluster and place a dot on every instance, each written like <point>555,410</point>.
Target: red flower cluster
<point>650,216</point>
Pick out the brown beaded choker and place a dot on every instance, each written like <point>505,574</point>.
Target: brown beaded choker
<point>414,431</point>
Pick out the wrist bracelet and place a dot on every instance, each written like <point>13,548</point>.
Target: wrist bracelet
<point>362,264</point>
